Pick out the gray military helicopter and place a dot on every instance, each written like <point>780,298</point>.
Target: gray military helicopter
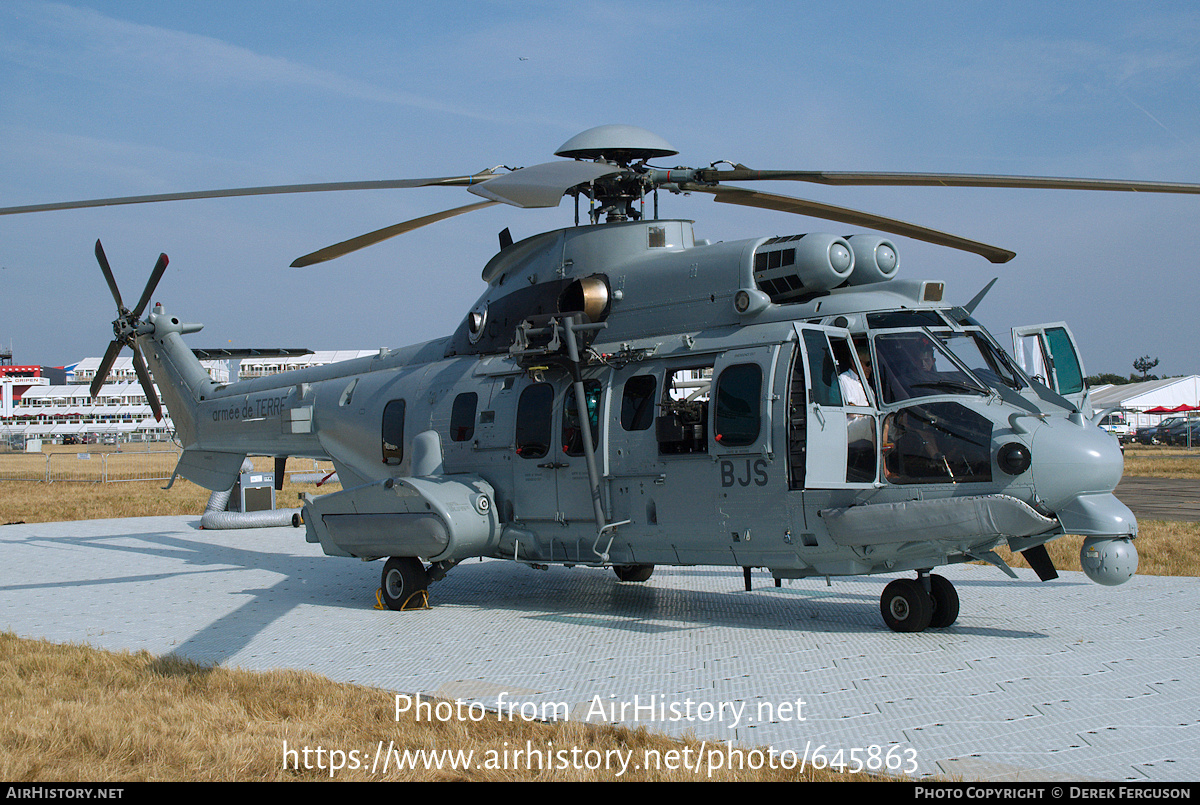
<point>624,395</point>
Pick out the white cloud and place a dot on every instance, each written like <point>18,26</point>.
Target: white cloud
<point>86,44</point>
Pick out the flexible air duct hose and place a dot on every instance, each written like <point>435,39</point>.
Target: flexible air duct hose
<point>216,517</point>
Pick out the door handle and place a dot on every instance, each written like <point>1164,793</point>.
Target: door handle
<point>554,465</point>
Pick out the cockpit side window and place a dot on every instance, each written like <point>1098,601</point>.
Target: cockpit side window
<point>822,370</point>
<point>1066,364</point>
<point>937,443</point>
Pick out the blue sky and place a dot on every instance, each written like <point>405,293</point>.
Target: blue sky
<point>126,98</point>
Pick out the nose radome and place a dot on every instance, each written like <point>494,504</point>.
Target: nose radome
<point>1073,458</point>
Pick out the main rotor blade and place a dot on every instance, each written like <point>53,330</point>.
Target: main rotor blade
<point>542,185</point>
<point>884,179</point>
<point>383,184</point>
<point>770,201</point>
<point>147,383</point>
<point>151,284</point>
<point>371,238</point>
<point>106,363</point>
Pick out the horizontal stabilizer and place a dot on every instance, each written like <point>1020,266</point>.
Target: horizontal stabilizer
<point>211,470</point>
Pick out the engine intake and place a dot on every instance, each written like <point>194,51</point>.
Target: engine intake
<point>875,259</point>
<point>790,268</point>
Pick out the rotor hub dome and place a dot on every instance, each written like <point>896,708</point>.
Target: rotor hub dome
<point>619,143</point>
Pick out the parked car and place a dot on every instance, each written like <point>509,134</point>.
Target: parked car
<point>1157,433</point>
<point>1175,433</point>
<point>1187,436</point>
<point>1144,435</point>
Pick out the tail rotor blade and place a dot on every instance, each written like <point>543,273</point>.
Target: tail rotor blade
<point>151,284</point>
<point>108,275</point>
<point>106,364</point>
<point>143,375</point>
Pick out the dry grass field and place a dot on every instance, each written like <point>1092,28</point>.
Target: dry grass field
<point>83,497</point>
<point>1161,462</point>
<point>74,714</point>
<point>70,713</point>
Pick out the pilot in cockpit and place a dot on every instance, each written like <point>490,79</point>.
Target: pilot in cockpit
<point>925,359</point>
<point>909,366</point>
<point>854,388</point>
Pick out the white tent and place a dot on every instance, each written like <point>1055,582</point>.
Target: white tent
<point>1137,398</point>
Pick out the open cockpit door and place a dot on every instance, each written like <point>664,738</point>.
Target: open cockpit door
<point>833,420</point>
<point>1048,354</point>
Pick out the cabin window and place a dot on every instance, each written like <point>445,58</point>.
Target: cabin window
<point>462,417</point>
<point>637,402</point>
<point>572,434</point>
<point>683,416</point>
<point>739,405</point>
<point>393,432</point>
<point>535,411</point>
<point>348,393</point>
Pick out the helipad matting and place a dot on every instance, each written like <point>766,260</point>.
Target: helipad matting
<point>1063,680</point>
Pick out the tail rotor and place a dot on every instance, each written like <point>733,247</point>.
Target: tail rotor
<point>126,328</point>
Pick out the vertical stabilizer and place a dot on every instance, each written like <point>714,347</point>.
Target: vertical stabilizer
<point>181,378</point>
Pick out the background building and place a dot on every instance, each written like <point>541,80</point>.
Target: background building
<point>15,381</point>
<point>56,405</point>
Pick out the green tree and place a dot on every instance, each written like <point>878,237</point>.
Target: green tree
<point>1144,364</point>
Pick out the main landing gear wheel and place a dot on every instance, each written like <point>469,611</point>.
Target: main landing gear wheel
<point>404,584</point>
<point>913,605</point>
<point>905,606</point>
<point>633,572</point>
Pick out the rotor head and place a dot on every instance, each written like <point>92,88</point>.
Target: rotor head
<point>616,143</point>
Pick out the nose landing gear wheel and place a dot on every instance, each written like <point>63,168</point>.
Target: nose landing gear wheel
<point>905,606</point>
<point>945,601</point>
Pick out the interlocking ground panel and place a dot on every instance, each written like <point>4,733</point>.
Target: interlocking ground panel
<point>1063,680</point>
